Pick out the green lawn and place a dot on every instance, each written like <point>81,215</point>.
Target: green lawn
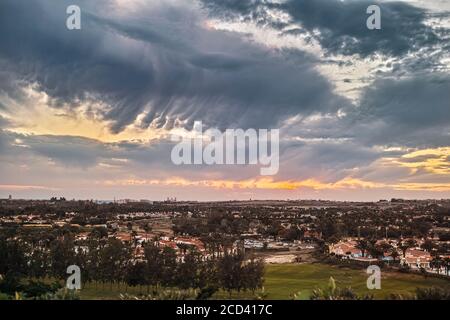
<point>281,281</point>
<point>106,292</point>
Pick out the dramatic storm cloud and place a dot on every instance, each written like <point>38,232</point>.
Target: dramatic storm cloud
<point>340,26</point>
<point>161,63</point>
<point>413,112</point>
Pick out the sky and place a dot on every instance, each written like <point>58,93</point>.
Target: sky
<point>88,114</point>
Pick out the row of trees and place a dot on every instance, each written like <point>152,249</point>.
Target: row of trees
<point>113,262</point>
<point>370,246</point>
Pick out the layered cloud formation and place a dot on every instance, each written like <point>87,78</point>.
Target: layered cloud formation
<point>364,114</point>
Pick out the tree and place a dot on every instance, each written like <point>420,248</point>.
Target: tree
<point>436,263</point>
<point>253,274</point>
<point>153,258</point>
<point>394,254</point>
<point>327,226</point>
<point>374,250</point>
<point>405,245</point>
<point>168,266</point>
<point>99,233</point>
<point>292,233</point>
<point>147,229</point>
<point>362,245</point>
<point>92,264</point>
<point>13,265</point>
<point>208,280</point>
<point>428,245</point>
<point>62,253</point>
<point>446,264</point>
<point>234,273</point>
<point>135,274</point>
<point>114,257</point>
<point>386,248</point>
<point>187,271</point>
<point>38,265</point>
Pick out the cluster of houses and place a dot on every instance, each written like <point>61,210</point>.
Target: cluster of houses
<point>417,259</point>
<point>271,244</point>
<point>179,244</point>
<point>414,257</point>
<point>347,249</point>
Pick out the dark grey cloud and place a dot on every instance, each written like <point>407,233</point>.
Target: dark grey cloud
<point>69,151</point>
<point>65,64</point>
<point>413,112</point>
<point>328,161</point>
<point>85,153</point>
<point>3,122</point>
<point>420,158</point>
<point>169,66</point>
<point>408,102</point>
<point>123,159</point>
<point>3,142</point>
<point>340,26</point>
<point>234,7</point>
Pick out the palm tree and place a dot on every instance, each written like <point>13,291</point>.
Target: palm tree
<point>446,264</point>
<point>362,245</point>
<point>405,245</point>
<point>436,263</point>
<point>394,254</point>
<point>147,229</point>
<point>386,247</point>
<point>411,243</point>
<point>382,249</point>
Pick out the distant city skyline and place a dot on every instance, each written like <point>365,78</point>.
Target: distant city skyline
<point>223,199</point>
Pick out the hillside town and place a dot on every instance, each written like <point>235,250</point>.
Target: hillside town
<point>413,235</point>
